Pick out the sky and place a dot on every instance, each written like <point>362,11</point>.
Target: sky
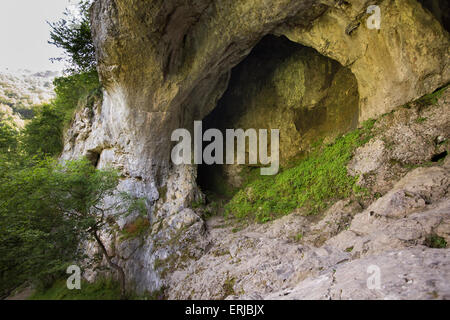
<point>24,33</point>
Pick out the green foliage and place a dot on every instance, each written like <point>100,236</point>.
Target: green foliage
<point>428,99</point>
<point>9,138</point>
<point>74,90</point>
<point>46,209</point>
<point>73,35</point>
<point>298,237</point>
<point>197,204</point>
<point>135,229</point>
<point>313,183</point>
<point>102,289</point>
<point>43,134</point>
<point>81,86</point>
<point>228,286</point>
<point>435,241</point>
<point>26,113</point>
<point>432,98</point>
<point>36,241</point>
<point>421,119</point>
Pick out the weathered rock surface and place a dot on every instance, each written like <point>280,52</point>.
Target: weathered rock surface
<point>415,273</point>
<point>412,135</point>
<point>286,86</point>
<point>271,261</point>
<point>327,257</point>
<point>385,63</point>
<point>166,63</point>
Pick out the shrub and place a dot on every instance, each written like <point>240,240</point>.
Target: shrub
<point>9,136</point>
<point>135,229</point>
<point>435,241</point>
<point>73,90</point>
<point>43,134</point>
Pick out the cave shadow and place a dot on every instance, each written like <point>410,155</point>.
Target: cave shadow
<point>260,67</point>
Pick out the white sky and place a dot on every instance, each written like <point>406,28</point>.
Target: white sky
<point>24,33</point>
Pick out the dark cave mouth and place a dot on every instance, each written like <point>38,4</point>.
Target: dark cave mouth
<point>439,156</point>
<point>440,9</point>
<point>281,85</point>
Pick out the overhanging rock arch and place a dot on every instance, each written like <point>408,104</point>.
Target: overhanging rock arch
<point>386,62</point>
<point>286,86</point>
<point>166,63</point>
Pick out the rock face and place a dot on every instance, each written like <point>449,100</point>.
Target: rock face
<point>334,256</point>
<point>164,64</point>
<point>283,85</point>
<point>421,278</point>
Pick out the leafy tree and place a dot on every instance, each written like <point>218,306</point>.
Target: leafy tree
<point>8,137</point>
<point>81,85</point>
<point>81,195</point>
<point>36,241</point>
<point>43,135</point>
<point>46,209</point>
<point>74,89</point>
<point>73,34</point>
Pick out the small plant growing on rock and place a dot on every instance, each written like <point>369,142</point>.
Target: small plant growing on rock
<point>135,229</point>
<point>228,286</point>
<point>298,237</point>
<point>432,98</point>
<point>435,241</point>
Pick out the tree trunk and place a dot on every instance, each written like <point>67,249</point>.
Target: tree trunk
<point>113,265</point>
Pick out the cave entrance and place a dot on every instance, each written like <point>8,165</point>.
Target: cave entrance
<point>440,9</point>
<point>281,85</point>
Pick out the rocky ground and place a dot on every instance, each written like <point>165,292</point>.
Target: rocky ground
<point>397,236</point>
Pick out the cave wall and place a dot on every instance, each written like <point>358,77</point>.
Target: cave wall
<point>286,86</point>
<point>283,85</point>
<point>440,10</point>
<point>401,61</point>
<point>165,63</point>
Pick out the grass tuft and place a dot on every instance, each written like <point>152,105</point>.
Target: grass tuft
<point>435,241</point>
<point>100,290</point>
<point>313,183</point>
<point>135,229</point>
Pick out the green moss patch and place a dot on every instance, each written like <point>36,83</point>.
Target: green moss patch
<point>435,241</point>
<point>313,183</point>
<point>102,289</point>
<point>135,229</point>
<point>99,290</point>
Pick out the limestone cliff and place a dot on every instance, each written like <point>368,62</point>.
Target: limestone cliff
<point>164,64</point>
